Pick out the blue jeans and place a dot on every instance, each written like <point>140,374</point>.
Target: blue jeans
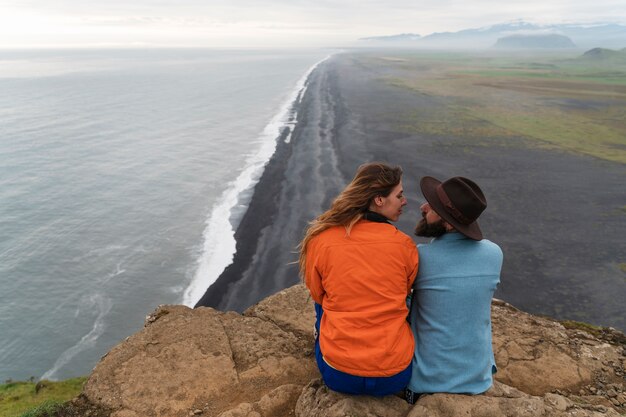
<point>352,384</point>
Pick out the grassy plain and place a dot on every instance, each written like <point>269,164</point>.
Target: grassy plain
<point>29,399</point>
<point>557,101</point>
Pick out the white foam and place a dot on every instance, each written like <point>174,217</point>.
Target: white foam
<point>87,341</point>
<point>118,271</point>
<point>219,245</point>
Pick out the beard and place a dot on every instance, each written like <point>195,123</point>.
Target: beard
<point>425,229</point>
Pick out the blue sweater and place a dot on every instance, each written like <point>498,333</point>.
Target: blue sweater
<point>451,315</point>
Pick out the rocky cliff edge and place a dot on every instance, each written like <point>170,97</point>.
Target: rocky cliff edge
<point>203,362</point>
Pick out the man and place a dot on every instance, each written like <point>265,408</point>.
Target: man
<point>451,307</point>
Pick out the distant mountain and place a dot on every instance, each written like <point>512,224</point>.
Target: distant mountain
<point>606,35</point>
<point>550,41</point>
<point>483,37</point>
<point>603,55</point>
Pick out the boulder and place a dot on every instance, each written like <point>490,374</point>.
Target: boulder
<point>317,400</point>
<point>504,401</point>
<point>203,362</point>
<point>539,355</point>
<point>187,360</point>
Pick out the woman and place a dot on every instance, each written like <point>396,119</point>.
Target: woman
<point>359,270</point>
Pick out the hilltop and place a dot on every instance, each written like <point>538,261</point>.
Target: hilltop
<point>549,41</point>
<point>204,362</point>
<point>604,54</point>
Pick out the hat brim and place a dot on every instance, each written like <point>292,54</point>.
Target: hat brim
<point>429,189</point>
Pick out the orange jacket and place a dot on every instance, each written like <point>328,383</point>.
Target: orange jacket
<point>362,282</point>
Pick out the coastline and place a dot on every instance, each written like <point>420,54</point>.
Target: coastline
<point>544,209</point>
<point>224,219</point>
<point>270,229</point>
<point>250,228</point>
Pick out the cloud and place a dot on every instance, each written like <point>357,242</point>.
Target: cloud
<point>219,23</point>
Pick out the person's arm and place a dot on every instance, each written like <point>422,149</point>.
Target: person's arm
<point>413,267</point>
<point>312,276</point>
<point>314,284</point>
<point>414,264</point>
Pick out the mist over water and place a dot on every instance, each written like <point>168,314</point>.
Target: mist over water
<point>111,162</point>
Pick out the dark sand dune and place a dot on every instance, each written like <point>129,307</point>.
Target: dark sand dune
<point>558,216</point>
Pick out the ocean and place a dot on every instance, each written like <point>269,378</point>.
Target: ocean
<point>123,175</point>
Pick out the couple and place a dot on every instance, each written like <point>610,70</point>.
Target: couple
<point>388,320</point>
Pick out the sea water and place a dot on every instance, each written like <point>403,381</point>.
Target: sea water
<point>123,175</point>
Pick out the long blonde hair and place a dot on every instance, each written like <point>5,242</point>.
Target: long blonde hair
<point>371,180</point>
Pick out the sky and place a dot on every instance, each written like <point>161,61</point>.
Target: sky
<point>269,23</point>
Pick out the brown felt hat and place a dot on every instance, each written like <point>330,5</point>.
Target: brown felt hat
<point>459,201</point>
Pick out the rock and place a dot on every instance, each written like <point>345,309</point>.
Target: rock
<point>187,362</point>
<point>290,309</point>
<point>317,400</point>
<point>527,346</point>
<point>43,384</point>
<point>281,401</point>
<point>82,407</point>
<point>503,401</point>
<point>187,357</point>
<point>595,399</point>
<point>500,390</point>
<point>241,410</point>
<point>557,401</point>
<point>137,375</point>
<point>454,405</point>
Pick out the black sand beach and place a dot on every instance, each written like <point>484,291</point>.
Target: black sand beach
<point>558,216</point>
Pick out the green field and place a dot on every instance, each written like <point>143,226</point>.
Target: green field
<point>563,102</point>
<point>30,399</point>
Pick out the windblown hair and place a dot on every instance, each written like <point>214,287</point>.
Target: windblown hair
<point>371,180</point>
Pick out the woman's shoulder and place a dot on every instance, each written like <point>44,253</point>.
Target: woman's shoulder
<point>384,232</point>
<point>406,240</point>
<point>329,235</point>
<point>362,232</point>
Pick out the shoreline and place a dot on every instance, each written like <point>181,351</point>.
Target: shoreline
<point>555,225</point>
<point>249,229</point>
<point>221,223</point>
<point>266,260</point>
